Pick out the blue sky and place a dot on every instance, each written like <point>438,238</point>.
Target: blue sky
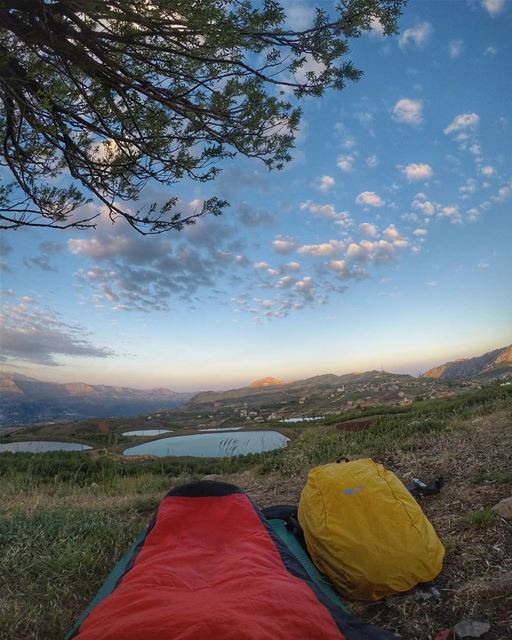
<point>384,244</point>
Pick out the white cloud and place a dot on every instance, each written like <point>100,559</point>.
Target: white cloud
<point>490,51</point>
<point>369,199</point>
<point>260,266</point>
<point>376,28</point>
<point>408,111</point>
<point>292,266</point>
<point>368,229</point>
<point>345,163</point>
<point>283,245</point>
<point>372,161</point>
<point>504,193</point>
<point>391,232</point>
<point>417,36</point>
<point>487,170</point>
<point>452,213</point>
<point>493,7</point>
<point>455,48</point>
<point>468,189</point>
<point>483,264</point>
<point>338,265</point>
<point>325,183</point>
<point>422,204</point>
<point>327,211</point>
<point>462,122</point>
<point>473,214</point>
<point>286,281</point>
<point>357,252</point>
<point>322,249</point>
<point>417,171</point>
<point>378,252</point>
<point>420,232</point>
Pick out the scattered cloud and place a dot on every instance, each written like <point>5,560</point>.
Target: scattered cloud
<point>463,122</point>
<point>468,189</point>
<point>455,48</point>
<point>36,334</point>
<point>417,36</point>
<point>452,213</point>
<point>504,192</point>
<point>493,7</point>
<point>324,183</point>
<point>372,161</point>
<point>408,111</point>
<point>391,232</point>
<point>322,249</point>
<point>377,252</point>
<point>345,163</point>
<point>417,171</point>
<point>487,170</point>
<point>369,199</point>
<point>283,245</point>
<point>420,233</point>
<point>421,203</point>
<point>368,229</point>
<point>327,211</point>
<point>490,51</point>
<point>376,28</point>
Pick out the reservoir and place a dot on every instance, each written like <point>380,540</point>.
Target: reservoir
<point>40,446</point>
<point>211,445</point>
<point>147,432</point>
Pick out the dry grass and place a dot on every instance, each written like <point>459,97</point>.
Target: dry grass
<point>476,581</point>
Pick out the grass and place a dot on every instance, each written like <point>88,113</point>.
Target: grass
<point>482,518</point>
<point>65,517</point>
<point>54,560</point>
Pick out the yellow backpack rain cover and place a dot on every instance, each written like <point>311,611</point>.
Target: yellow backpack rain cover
<point>366,532</point>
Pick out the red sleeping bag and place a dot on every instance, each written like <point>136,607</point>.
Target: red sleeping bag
<point>210,568</point>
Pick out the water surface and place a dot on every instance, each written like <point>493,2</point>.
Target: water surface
<point>146,432</point>
<point>40,446</point>
<point>292,420</point>
<point>211,445</point>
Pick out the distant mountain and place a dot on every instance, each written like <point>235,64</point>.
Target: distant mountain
<point>490,365</point>
<point>275,394</point>
<point>265,382</point>
<point>27,400</point>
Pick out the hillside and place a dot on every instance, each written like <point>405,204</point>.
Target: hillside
<point>489,365</point>
<point>27,400</point>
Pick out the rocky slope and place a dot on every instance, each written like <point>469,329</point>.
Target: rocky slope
<point>489,365</point>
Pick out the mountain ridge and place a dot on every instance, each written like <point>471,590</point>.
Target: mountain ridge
<point>490,364</point>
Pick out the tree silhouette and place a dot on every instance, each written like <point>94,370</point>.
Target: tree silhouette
<point>98,99</point>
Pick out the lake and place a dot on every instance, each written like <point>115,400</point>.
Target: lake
<point>146,432</point>
<point>211,445</point>
<point>40,446</point>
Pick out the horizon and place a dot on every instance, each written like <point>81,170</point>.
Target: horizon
<point>243,384</point>
<point>383,245</point>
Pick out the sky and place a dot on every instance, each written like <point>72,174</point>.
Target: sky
<point>384,244</point>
